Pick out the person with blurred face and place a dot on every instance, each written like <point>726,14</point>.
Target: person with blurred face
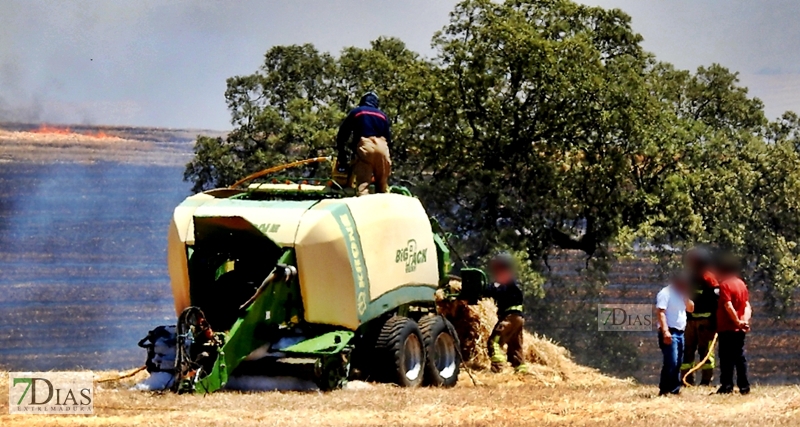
<point>733,324</point>
<point>672,303</point>
<point>700,324</point>
<point>508,296</point>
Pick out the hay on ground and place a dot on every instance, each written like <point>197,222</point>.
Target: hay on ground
<point>546,359</point>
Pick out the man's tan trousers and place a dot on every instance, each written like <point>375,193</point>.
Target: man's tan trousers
<point>372,160</point>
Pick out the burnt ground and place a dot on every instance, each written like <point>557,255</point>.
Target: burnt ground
<point>83,262</point>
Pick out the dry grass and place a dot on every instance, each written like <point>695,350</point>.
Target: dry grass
<point>550,363</point>
<point>555,392</point>
<point>503,400</point>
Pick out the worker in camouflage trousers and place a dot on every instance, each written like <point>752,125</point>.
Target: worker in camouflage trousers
<point>700,324</point>
<point>507,294</point>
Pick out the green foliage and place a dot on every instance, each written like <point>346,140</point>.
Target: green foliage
<point>291,108</point>
<point>542,125</point>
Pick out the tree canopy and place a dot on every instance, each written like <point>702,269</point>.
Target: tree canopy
<point>541,125</point>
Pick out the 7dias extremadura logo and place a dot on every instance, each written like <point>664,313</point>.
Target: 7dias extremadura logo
<point>61,393</point>
<point>625,317</point>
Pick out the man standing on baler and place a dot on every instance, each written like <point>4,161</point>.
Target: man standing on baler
<point>363,143</point>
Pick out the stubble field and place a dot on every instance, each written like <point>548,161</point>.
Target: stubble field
<point>504,400</point>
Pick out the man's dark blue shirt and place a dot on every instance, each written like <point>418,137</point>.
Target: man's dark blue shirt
<point>365,121</point>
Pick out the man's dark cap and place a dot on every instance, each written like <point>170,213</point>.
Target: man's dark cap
<point>369,99</point>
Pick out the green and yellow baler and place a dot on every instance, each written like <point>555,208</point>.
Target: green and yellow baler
<point>296,279</point>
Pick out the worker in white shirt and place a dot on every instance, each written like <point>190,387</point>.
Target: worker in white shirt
<point>672,303</point>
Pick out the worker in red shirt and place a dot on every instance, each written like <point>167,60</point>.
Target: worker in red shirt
<point>733,323</point>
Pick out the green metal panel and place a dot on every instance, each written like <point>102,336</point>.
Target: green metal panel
<point>398,189</point>
<point>442,248</point>
<point>330,343</point>
<point>400,296</point>
<point>279,304</point>
<point>443,254</point>
<point>217,379</point>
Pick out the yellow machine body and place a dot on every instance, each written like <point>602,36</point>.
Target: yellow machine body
<point>357,257</point>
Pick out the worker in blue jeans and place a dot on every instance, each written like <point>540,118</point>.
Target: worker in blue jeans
<point>672,304</point>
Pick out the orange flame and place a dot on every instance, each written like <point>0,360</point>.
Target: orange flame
<point>52,129</point>
<point>44,128</point>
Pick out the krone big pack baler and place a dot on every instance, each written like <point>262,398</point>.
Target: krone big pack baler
<point>298,279</point>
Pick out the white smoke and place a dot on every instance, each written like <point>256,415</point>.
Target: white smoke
<point>170,60</point>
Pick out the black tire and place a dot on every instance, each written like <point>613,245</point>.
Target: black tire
<point>441,349</point>
<point>400,353</point>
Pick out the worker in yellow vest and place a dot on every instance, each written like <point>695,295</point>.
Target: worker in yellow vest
<point>508,296</point>
<point>700,324</point>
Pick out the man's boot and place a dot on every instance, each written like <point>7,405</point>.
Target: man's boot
<point>496,355</point>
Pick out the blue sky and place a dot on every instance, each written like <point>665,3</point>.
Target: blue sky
<point>159,63</point>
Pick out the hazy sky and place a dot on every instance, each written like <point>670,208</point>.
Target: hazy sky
<point>164,63</point>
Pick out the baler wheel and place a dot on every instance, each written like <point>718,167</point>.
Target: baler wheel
<point>401,353</point>
<point>441,348</point>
